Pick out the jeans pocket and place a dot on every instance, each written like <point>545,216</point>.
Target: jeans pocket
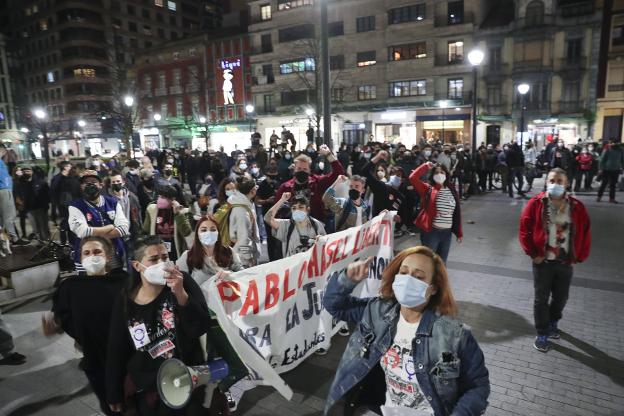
<point>445,376</point>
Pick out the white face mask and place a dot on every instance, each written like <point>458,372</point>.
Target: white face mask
<point>229,192</point>
<point>209,238</point>
<point>255,171</point>
<point>321,165</point>
<point>94,265</point>
<point>439,178</point>
<point>155,274</point>
<point>243,166</point>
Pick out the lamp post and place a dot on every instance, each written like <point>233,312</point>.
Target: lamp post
<point>310,132</point>
<point>476,58</point>
<point>41,115</point>
<point>157,117</point>
<point>443,104</point>
<point>325,83</point>
<point>523,89</point>
<point>81,124</point>
<point>204,122</point>
<point>249,109</point>
<point>128,125</point>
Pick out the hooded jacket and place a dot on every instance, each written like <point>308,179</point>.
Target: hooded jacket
<point>244,227</point>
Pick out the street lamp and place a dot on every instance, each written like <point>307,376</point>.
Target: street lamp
<point>129,100</point>
<point>443,105</point>
<point>249,109</point>
<point>157,117</point>
<point>523,89</point>
<point>129,127</point>
<point>82,123</point>
<point>475,57</point>
<point>204,122</point>
<point>41,115</point>
<point>24,130</point>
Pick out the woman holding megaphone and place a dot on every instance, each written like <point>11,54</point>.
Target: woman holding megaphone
<point>82,306</point>
<point>408,351</point>
<point>161,315</point>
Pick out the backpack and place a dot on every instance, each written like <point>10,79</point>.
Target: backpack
<point>222,216</point>
<point>291,228</point>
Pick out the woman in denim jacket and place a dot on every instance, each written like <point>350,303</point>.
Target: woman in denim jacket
<point>407,351</point>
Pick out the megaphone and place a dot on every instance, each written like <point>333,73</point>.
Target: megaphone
<point>176,381</point>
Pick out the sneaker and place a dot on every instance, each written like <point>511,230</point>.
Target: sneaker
<point>541,343</point>
<point>232,405</point>
<point>14,358</point>
<point>613,201</point>
<point>321,351</point>
<point>344,331</point>
<point>553,331</point>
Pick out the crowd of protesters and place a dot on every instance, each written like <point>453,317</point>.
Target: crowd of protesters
<point>177,217</point>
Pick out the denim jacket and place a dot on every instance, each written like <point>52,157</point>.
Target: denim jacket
<point>449,364</point>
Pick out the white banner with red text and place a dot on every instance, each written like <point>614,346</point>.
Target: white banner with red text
<point>273,313</point>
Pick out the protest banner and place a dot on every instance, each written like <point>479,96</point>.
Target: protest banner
<point>273,313</point>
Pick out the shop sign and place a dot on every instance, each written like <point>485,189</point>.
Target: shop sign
<point>440,117</point>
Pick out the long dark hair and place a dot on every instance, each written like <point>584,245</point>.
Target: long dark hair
<point>195,257</point>
<point>221,194</point>
<point>135,277</point>
<point>447,182</point>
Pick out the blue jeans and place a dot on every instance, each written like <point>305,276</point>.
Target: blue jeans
<point>437,240</point>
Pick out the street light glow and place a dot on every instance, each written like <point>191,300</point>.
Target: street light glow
<point>157,117</point>
<point>475,57</point>
<point>443,104</point>
<point>40,114</point>
<point>129,100</point>
<point>202,120</point>
<point>249,108</point>
<point>24,130</point>
<point>309,112</point>
<point>82,123</point>
<point>523,88</point>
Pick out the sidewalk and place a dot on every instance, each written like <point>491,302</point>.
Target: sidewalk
<point>492,281</point>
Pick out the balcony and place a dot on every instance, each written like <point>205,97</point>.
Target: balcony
<point>454,100</point>
<point>494,109</point>
<point>571,106</point>
<point>263,80</point>
<point>535,65</point>
<point>536,106</point>
<point>616,87</point>
<point>443,60</point>
<point>534,23</point>
<point>159,92</point>
<point>444,20</point>
<point>577,63</point>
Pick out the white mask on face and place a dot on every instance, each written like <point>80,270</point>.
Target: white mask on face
<point>94,264</point>
<point>229,192</point>
<point>439,178</point>
<point>155,274</point>
<point>255,171</point>
<point>209,238</point>
<point>243,166</point>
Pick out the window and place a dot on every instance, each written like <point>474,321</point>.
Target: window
<point>268,103</point>
<point>571,92</point>
<point>130,10</point>
<point>145,13</point>
<point>337,94</point>
<point>161,79</point>
<point>494,95</point>
<point>164,110</point>
<point>147,82</point>
<point>172,20</point>
<point>455,12</point>
<point>174,35</point>
<point>414,13</point>
<point>365,24</point>
<point>367,92</point>
<point>159,18</point>
<point>161,33</point>
<point>456,88</point>
<point>159,3</point>
<point>51,78</point>
<point>179,108</point>
<point>408,88</point>
<point>177,76</point>
<point>132,26</point>
<point>298,97</point>
<point>617,37</point>
<point>574,49</point>
<point>171,5</point>
<point>300,65</point>
<point>336,62</point>
<point>367,58</point>
<point>410,51</point>
<point>266,44</point>
<point>495,60</point>
<point>455,52</point>
<point>84,72</point>
<point>296,33</point>
<point>134,43</point>
<point>292,4</point>
<point>147,30</point>
<point>43,25</point>
<point>535,13</point>
<point>335,29</point>
<point>265,12</point>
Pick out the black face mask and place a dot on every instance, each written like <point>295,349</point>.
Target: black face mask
<point>302,176</point>
<point>149,183</point>
<point>354,194</point>
<point>117,187</point>
<point>26,176</point>
<point>168,172</point>
<point>91,192</point>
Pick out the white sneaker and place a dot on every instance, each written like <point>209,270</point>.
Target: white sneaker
<point>344,331</point>
<point>232,404</point>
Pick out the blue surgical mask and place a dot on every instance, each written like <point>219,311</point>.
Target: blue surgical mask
<point>409,291</point>
<point>394,181</point>
<point>298,215</point>
<point>229,192</point>
<point>209,238</point>
<point>555,190</point>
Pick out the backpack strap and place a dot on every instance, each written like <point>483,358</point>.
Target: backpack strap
<point>291,228</point>
<point>346,210</point>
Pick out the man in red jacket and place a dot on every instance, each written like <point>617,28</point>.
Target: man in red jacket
<point>309,185</point>
<point>554,232</point>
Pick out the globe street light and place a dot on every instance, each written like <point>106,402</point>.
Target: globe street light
<point>309,112</point>
<point>202,120</point>
<point>443,105</point>
<point>249,109</point>
<point>475,57</point>
<point>82,123</point>
<point>523,89</point>
<point>157,117</point>
<point>24,130</point>
<point>40,114</point>
<point>129,100</point>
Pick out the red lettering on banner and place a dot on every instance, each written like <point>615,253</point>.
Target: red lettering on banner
<point>344,249</point>
<point>386,234</point>
<point>357,241</point>
<point>313,269</point>
<point>233,286</point>
<point>301,274</point>
<point>288,293</point>
<point>251,299</point>
<point>336,256</point>
<point>324,259</point>
<point>271,297</point>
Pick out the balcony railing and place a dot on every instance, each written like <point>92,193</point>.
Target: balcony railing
<point>573,63</point>
<point>571,106</point>
<point>159,92</point>
<point>533,106</point>
<point>445,20</point>
<point>616,87</point>
<point>530,65</point>
<point>494,109</point>
<point>176,89</point>
<point>534,22</point>
<point>443,60</point>
<point>454,99</point>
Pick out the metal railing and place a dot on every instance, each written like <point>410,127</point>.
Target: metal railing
<point>443,60</point>
<point>571,106</point>
<point>616,87</point>
<point>569,63</point>
<point>446,20</point>
<point>534,64</point>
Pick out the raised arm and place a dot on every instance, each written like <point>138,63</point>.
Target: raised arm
<point>414,178</point>
<point>369,172</point>
<point>269,217</point>
<point>330,200</point>
<point>337,168</point>
<point>338,300</point>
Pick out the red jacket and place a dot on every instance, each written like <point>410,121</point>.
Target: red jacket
<point>424,220</point>
<point>532,233</point>
<point>317,184</point>
<point>585,161</point>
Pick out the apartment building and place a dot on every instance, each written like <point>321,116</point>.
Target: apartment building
<point>553,47</point>
<point>8,128</point>
<point>399,69</point>
<point>611,77</point>
<point>70,53</point>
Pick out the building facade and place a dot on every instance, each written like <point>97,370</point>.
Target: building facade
<point>73,56</point>
<point>611,78</point>
<point>553,47</point>
<point>7,109</point>
<point>194,93</point>
<point>399,70</point>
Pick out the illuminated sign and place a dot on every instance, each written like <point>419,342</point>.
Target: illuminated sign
<point>230,76</point>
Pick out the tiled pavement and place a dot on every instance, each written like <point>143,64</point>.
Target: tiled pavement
<point>491,278</point>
